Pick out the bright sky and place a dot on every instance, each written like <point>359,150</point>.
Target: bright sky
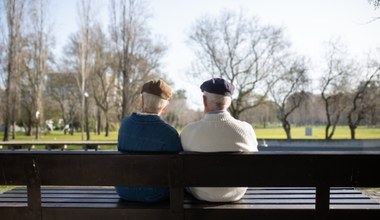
<point>308,24</point>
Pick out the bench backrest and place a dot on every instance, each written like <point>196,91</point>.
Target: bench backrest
<point>282,169</point>
<point>320,170</point>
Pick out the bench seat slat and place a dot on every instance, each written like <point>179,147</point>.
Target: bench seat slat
<point>100,213</point>
<point>107,197</point>
<point>275,214</point>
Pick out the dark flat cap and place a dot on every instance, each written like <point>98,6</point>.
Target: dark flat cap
<point>158,88</point>
<point>218,86</point>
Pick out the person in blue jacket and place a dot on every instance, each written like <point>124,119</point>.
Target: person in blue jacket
<point>146,131</point>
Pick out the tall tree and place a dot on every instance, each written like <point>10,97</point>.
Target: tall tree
<point>372,115</point>
<point>334,85</point>
<point>15,10</point>
<point>39,42</point>
<point>239,49</point>
<point>362,98</point>
<point>103,78</point>
<point>86,20</point>
<point>288,91</point>
<point>136,53</point>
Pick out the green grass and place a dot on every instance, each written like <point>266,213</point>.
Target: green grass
<point>5,188</point>
<point>318,132</point>
<point>60,136</point>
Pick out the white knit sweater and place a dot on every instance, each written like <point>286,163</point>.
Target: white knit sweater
<point>218,132</point>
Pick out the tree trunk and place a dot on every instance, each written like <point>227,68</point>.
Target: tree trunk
<point>87,120</point>
<point>125,94</point>
<point>327,130</point>
<point>352,131</point>
<point>14,130</point>
<point>107,124</point>
<point>98,122</point>
<point>29,130</point>
<point>107,128</point>
<point>287,128</point>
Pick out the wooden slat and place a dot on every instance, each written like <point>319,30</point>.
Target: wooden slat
<point>95,168</point>
<point>281,169</point>
<point>268,214</point>
<point>99,213</point>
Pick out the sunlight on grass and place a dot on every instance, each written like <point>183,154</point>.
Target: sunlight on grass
<point>318,132</point>
<point>60,136</point>
<point>5,188</point>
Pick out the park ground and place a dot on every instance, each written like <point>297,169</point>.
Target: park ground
<point>317,132</point>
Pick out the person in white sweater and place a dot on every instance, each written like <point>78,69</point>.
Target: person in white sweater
<point>218,131</point>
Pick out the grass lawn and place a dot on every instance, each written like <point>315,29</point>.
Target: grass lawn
<point>60,136</point>
<point>5,188</point>
<point>318,132</point>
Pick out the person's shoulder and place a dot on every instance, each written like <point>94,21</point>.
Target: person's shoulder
<point>238,121</point>
<point>128,117</point>
<point>168,127</point>
<point>242,125</point>
<point>191,125</point>
<point>125,121</point>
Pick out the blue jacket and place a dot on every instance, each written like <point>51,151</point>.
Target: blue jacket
<point>151,134</point>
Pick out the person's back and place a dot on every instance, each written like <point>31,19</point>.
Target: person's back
<point>147,132</point>
<point>218,131</point>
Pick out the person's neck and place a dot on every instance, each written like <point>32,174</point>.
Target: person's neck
<point>149,113</point>
<point>216,111</point>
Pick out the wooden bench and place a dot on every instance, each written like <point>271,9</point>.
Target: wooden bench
<point>78,185</point>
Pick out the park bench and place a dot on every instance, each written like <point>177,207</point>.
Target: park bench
<point>77,185</point>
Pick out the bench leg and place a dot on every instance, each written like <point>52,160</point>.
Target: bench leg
<point>322,202</point>
<point>33,188</point>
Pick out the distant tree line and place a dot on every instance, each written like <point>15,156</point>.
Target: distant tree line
<point>97,80</point>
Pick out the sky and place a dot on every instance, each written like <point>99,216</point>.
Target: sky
<point>308,25</point>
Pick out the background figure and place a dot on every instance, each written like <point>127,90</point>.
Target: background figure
<point>146,131</point>
<point>218,131</point>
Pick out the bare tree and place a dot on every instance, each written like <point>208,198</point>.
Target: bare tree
<point>239,49</point>
<point>372,114</point>
<point>39,41</point>
<point>334,85</point>
<point>136,55</point>
<point>83,53</point>
<point>63,89</point>
<point>288,92</point>
<point>103,78</point>
<point>14,43</point>
<point>362,100</point>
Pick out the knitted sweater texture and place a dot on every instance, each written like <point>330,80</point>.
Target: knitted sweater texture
<point>146,133</point>
<point>219,132</point>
